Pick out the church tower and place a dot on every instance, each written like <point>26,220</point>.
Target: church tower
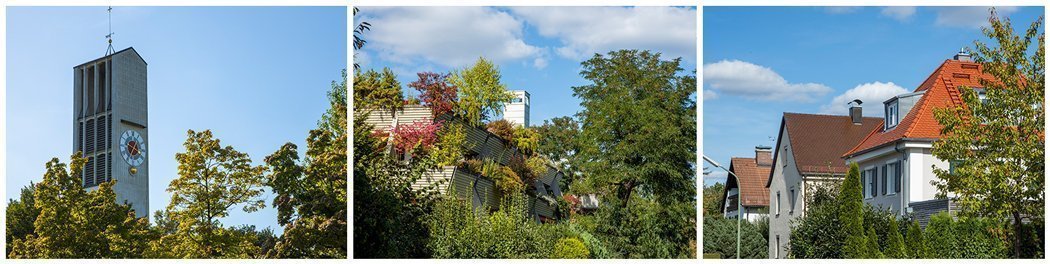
<point>110,125</point>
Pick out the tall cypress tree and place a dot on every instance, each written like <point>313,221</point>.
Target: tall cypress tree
<point>851,215</point>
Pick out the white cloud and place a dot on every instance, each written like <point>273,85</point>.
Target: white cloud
<point>872,94</point>
<point>841,9</point>
<point>584,31</point>
<point>969,16</point>
<point>539,63</point>
<point>710,95</point>
<point>900,13</point>
<point>448,36</point>
<point>757,82</point>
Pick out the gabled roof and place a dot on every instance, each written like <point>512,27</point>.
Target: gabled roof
<point>753,191</point>
<point>131,49</point>
<point>817,141</point>
<point>941,91</point>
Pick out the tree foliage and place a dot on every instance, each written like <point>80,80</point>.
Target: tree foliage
<point>436,92</point>
<point>481,92</point>
<point>75,223</point>
<point>21,214</point>
<point>638,132</point>
<point>998,143</point>
<point>388,212</point>
<point>212,180</point>
<point>557,141</point>
<point>377,90</point>
<point>570,248</point>
<point>712,200</point>
<point>720,238</point>
<point>458,231</point>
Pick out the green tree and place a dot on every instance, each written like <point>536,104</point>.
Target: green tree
<point>21,214</point>
<point>311,194</point>
<point>388,212</point>
<point>557,141</point>
<point>212,180</point>
<point>75,223</point>
<point>818,235</point>
<point>873,244</point>
<point>638,129</point>
<point>999,142</point>
<point>851,215</point>
<point>712,199</point>
<point>359,31</point>
<point>377,90</point>
<point>916,242</point>
<point>720,237</point>
<point>481,92</point>
<point>895,245</point>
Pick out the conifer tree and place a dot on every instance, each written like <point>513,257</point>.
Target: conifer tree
<point>851,215</point>
<point>895,242</point>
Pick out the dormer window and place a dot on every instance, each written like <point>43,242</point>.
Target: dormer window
<point>981,94</point>
<point>892,114</point>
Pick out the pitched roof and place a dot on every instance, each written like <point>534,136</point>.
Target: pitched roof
<point>941,91</point>
<point>818,141</point>
<point>752,181</point>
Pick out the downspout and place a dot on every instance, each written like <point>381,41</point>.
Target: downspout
<point>904,186</point>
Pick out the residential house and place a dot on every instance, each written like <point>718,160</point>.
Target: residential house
<point>480,144</point>
<point>749,186</point>
<point>806,156</point>
<point>896,159</point>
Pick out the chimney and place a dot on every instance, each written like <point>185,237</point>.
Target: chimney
<point>855,112</point>
<point>764,155</point>
<point>962,56</point>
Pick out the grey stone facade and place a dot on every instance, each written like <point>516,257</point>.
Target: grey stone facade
<point>110,99</point>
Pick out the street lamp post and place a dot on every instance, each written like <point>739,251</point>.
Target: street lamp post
<point>739,205</point>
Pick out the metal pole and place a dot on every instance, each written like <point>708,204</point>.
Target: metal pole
<point>739,205</point>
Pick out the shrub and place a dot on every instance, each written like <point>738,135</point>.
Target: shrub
<point>526,140</point>
<point>570,248</point>
<point>450,145</point>
<point>419,134</point>
<point>458,232</point>
<point>916,242</point>
<point>501,128</point>
<point>895,242</point>
<point>720,237</point>
<point>965,238</point>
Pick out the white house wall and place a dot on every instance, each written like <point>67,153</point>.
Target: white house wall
<point>785,176</point>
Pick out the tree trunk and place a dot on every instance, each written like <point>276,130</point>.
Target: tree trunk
<point>1017,234</point>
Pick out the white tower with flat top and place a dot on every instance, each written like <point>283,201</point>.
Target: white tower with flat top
<point>517,111</point>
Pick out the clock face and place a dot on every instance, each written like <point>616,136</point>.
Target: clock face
<point>133,148</point>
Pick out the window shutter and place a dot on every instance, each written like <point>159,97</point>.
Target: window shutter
<point>897,175</point>
<point>884,176</point>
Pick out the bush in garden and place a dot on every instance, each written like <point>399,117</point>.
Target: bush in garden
<point>916,242</point>
<point>501,128</point>
<point>418,134</point>
<point>450,145</point>
<point>570,248</point>
<point>819,234</point>
<point>895,242</point>
<point>964,238</point>
<point>720,237</point>
<point>526,140</point>
<point>457,231</point>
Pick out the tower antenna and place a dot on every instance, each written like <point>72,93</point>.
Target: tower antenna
<point>109,37</point>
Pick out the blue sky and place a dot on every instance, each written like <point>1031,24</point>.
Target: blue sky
<point>762,61</point>
<point>256,76</point>
<point>538,49</point>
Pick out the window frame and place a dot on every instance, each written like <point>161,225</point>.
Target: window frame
<point>892,109</point>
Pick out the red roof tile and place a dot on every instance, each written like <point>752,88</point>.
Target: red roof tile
<point>752,181</point>
<point>942,90</point>
<point>817,141</point>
